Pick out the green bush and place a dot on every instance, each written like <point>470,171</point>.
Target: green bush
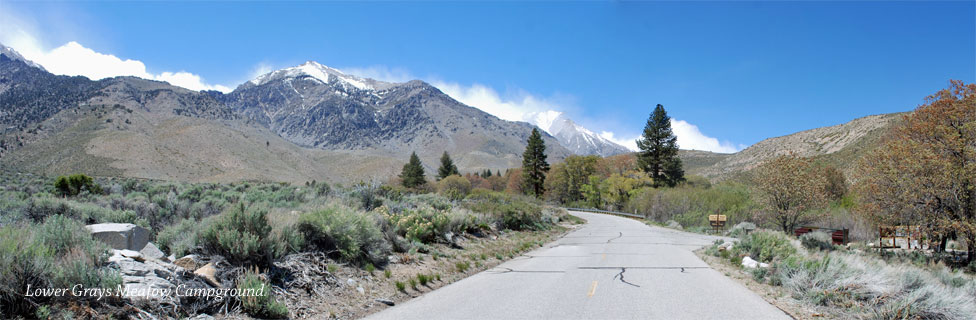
<point>59,253</point>
<point>512,212</point>
<point>180,239</point>
<point>256,298</point>
<point>241,235</point>
<point>454,187</point>
<point>817,240</point>
<point>400,286</point>
<point>353,234</point>
<point>765,246</point>
<point>76,184</point>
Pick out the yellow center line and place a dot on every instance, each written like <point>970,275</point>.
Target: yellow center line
<point>604,257</point>
<point>592,290</point>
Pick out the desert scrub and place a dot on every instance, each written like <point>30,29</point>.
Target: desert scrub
<point>454,187</point>
<point>817,241</point>
<point>510,211</point>
<point>256,299</point>
<point>354,235</point>
<point>179,239</point>
<point>765,246</point>
<point>58,253</point>
<point>400,286</point>
<point>863,287</point>
<point>241,235</point>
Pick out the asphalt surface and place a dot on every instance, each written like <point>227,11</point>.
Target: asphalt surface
<point>609,268</point>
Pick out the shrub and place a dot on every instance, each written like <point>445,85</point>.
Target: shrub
<point>454,187</point>
<point>400,286</point>
<point>741,229</point>
<point>817,240</point>
<point>58,253</point>
<point>75,184</point>
<point>240,235</point>
<point>864,288</point>
<point>413,283</point>
<point>462,266</point>
<point>354,235</point>
<point>766,246</point>
<point>423,279</point>
<point>256,298</point>
<point>511,211</point>
<point>370,268</point>
<point>387,273</point>
<point>368,195</point>
<point>179,239</point>
<point>423,224</point>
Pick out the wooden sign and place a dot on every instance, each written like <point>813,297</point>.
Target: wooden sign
<point>717,220</point>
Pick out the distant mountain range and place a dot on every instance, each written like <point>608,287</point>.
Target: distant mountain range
<point>296,124</point>
<point>312,122</point>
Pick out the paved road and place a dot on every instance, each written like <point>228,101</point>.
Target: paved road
<point>609,268</point>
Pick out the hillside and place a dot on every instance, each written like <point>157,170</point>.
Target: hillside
<point>328,130</point>
<point>840,145</point>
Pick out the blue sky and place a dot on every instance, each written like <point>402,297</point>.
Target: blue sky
<point>738,72</point>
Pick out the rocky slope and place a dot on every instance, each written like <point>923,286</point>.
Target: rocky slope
<point>840,145</point>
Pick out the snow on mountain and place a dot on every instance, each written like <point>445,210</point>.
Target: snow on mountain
<point>572,136</point>
<point>322,73</point>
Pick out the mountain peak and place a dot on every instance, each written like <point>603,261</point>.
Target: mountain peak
<point>318,72</point>
<point>573,136</point>
<point>14,55</point>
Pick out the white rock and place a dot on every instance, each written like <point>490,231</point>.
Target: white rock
<point>351,282</point>
<point>749,263</point>
<point>361,290</point>
<point>150,251</point>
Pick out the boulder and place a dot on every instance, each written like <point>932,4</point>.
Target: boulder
<point>134,255</point>
<point>752,264</point>
<point>209,273</point>
<point>385,301</point>
<point>150,251</point>
<point>121,236</point>
<point>189,262</point>
<point>146,281</point>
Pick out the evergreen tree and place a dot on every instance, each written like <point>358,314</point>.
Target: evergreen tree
<point>658,154</point>
<point>447,167</point>
<point>487,173</point>
<point>534,165</point>
<point>413,172</point>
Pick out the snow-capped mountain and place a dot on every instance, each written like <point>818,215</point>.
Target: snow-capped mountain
<point>572,136</point>
<point>316,106</point>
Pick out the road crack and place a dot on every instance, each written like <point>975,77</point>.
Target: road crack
<point>621,275</point>
<point>618,237</point>
<point>510,270</point>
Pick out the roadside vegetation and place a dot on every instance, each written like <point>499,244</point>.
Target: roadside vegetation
<point>365,229</point>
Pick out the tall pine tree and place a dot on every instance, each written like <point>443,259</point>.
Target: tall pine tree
<point>534,165</point>
<point>658,154</point>
<point>447,167</point>
<point>413,172</point>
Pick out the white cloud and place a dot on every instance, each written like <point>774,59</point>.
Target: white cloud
<point>74,59</point>
<point>689,137</point>
<point>629,143</point>
<point>488,100</point>
<point>379,72</point>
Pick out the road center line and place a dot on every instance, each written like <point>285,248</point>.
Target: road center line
<point>592,290</point>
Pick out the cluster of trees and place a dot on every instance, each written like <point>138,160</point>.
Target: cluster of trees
<point>581,180</point>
